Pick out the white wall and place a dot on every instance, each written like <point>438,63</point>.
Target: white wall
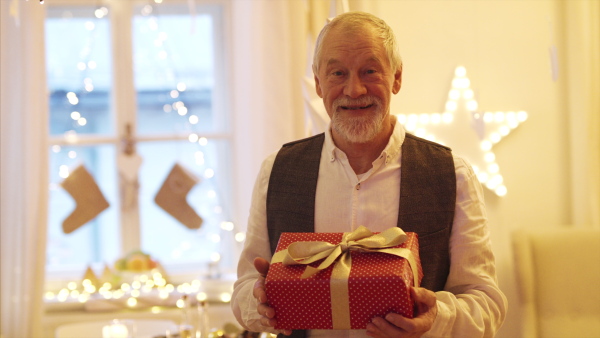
<point>504,46</point>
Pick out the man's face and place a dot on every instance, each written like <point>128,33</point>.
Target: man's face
<point>356,82</point>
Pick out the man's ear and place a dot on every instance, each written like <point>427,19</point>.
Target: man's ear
<point>397,81</point>
<point>318,86</point>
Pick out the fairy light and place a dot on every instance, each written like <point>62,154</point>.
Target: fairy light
<point>227,226</point>
<point>240,237</point>
<point>132,302</point>
<point>201,296</point>
<point>488,127</point>
<point>209,173</point>
<point>225,297</point>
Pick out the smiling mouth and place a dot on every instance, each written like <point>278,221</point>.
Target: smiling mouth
<point>356,108</point>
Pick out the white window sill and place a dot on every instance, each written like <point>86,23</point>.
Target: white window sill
<point>150,305</point>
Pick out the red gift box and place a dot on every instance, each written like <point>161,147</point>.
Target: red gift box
<point>376,283</point>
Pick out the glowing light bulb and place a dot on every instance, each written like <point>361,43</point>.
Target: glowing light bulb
<point>401,118</point>
<point>201,296</point>
<point>193,138</point>
<point>174,94</point>
<point>460,71</point>
<point>193,119</point>
<point>488,117</point>
<point>486,145</point>
<point>482,176</point>
<point>468,94</point>
<point>182,111</point>
<point>240,237</point>
<point>495,137</point>
<point>493,168</point>
<point>472,105</point>
<point>522,116</point>
<point>499,117</point>
<point>181,86</point>
<point>227,226</point>
<point>215,256</point>
<point>225,297</point>
<point>451,105</point>
<point>132,302</point>
<point>501,190</point>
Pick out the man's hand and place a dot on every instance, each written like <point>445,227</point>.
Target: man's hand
<point>263,308</point>
<point>395,325</point>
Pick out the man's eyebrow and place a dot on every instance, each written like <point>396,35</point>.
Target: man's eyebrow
<point>375,59</point>
<point>332,62</point>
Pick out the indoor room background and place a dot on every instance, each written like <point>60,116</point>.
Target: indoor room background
<point>537,57</point>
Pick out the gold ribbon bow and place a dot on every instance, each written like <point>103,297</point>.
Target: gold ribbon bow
<point>361,239</point>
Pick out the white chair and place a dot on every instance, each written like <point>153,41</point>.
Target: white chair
<point>146,328</point>
<point>558,273</point>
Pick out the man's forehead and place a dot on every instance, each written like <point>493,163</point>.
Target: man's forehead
<point>373,59</point>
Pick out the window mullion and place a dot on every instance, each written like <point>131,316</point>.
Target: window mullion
<point>124,108</point>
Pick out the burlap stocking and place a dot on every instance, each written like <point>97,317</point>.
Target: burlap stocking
<point>172,197</point>
<point>88,198</point>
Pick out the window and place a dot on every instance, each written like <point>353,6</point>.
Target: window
<point>147,77</point>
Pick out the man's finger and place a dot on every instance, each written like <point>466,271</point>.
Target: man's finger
<point>261,265</point>
<point>259,290</point>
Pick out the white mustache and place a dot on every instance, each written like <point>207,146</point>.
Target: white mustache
<point>359,102</point>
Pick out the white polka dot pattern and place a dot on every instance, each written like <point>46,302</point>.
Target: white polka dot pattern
<point>378,284</point>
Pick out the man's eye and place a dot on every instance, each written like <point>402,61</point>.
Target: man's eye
<point>337,73</point>
<point>371,71</point>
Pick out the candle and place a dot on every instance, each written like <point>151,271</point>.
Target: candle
<point>115,331</point>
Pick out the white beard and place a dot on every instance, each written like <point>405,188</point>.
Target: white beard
<point>358,129</point>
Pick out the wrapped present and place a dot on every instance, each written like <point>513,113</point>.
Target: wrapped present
<point>342,280</point>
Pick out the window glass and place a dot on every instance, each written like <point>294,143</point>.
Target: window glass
<point>169,240</point>
<point>174,79</point>
<point>79,71</point>
<point>178,120</point>
<point>97,240</point>
<point>79,81</point>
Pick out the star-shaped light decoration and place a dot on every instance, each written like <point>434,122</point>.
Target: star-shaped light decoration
<point>470,132</point>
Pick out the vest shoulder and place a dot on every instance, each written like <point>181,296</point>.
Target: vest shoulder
<point>426,142</point>
<point>305,140</point>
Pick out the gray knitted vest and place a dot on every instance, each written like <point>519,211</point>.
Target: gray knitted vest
<point>427,199</point>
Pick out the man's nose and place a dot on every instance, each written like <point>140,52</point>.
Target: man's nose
<point>354,87</point>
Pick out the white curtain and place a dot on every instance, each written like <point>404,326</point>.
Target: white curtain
<point>267,64</point>
<point>24,160</point>
<point>582,21</point>
<point>269,56</point>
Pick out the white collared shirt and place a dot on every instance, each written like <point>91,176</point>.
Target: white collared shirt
<point>471,304</point>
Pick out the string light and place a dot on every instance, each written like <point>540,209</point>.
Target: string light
<point>475,143</point>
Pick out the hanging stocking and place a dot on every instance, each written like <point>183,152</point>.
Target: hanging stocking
<point>172,197</point>
<point>88,198</point>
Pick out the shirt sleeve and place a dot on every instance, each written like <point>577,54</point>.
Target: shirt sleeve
<point>471,304</point>
<point>256,245</point>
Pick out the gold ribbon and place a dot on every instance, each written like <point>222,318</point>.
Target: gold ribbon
<point>362,240</point>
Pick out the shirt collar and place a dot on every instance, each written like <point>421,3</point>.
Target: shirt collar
<point>391,150</point>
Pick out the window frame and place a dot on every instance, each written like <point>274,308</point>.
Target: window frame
<point>123,107</point>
